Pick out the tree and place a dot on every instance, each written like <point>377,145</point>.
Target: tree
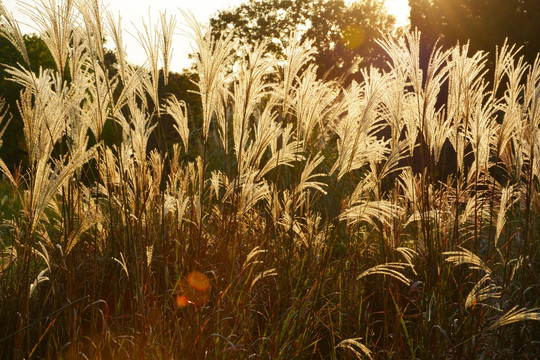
<point>486,23</point>
<point>342,34</point>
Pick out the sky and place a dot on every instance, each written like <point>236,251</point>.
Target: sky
<point>132,11</point>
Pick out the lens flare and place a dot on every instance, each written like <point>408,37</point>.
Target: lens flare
<point>198,281</point>
<point>182,301</point>
<point>353,36</point>
<point>194,289</point>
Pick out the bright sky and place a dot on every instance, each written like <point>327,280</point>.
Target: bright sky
<point>132,11</point>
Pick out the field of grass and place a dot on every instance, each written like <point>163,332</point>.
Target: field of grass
<point>393,218</point>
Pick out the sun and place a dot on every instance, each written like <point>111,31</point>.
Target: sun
<point>400,10</point>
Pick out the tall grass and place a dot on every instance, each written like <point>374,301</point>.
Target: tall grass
<point>396,217</point>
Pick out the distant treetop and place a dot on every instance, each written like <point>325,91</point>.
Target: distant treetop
<point>342,34</point>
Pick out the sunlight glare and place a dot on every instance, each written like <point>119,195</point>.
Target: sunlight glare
<point>198,281</point>
<point>400,10</point>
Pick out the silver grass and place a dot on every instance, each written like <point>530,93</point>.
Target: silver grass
<point>408,254</point>
<point>54,21</point>
<point>265,130</point>
<point>223,112</point>
<point>79,58</point>
<point>410,184</point>
<point>411,121</point>
<point>357,144</point>
<point>249,89</point>
<point>531,98</point>
<point>109,168</point>
<point>114,30</point>
<point>263,275</point>
<point>182,207</point>
<point>3,113</point>
<point>286,154</point>
<point>98,102</point>
<point>314,101</point>
<point>297,55</point>
<point>435,215</point>
<point>370,211</point>
<point>133,87</point>
<point>405,55</point>
<point>196,175</point>
<point>516,315</point>
<point>251,258</point>
<point>213,57</point>
<point>464,81</point>
<point>476,205</point>
<point>515,74</point>
<point>392,109</point>
<point>307,178</point>
<point>39,279</point>
<point>514,127</point>
<point>434,126</point>
<point>266,133</point>
<point>49,178</point>
<point>138,130</point>
<point>89,216</point>
<point>392,164</point>
<point>359,349</point>
<point>44,115</point>
<point>508,198</point>
<point>481,133</point>
<point>9,29</point>
<point>78,121</point>
<point>519,262</point>
<point>168,25</point>
<point>123,263</point>
<point>92,15</point>
<point>510,129</point>
<point>504,56</point>
<point>156,162</point>
<point>464,256</point>
<point>482,291</point>
<point>217,181</point>
<point>177,109</point>
<point>531,95</point>
<point>391,269</point>
<point>308,229</point>
<point>364,187</point>
<point>44,254</point>
<point>150,38</point>
<point>250,191</point>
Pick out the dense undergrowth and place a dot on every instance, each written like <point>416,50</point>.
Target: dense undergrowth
<point>297,218</point>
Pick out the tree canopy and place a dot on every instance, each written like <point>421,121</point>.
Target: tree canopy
<point>341,33</point>
<point>486,23</point>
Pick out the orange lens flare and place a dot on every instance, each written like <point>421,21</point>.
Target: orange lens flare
<point>182,301</point>
<point>194,289</point>
<point>198,281</point>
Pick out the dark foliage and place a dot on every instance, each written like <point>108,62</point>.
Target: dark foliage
<point>485,23</point>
